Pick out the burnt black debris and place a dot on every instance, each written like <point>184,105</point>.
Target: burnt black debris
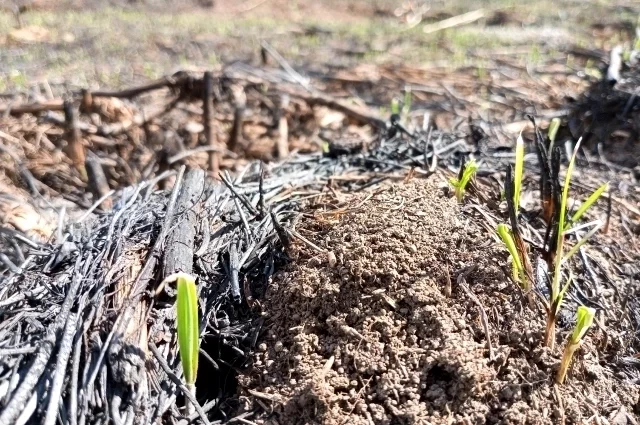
<point>83,317</point>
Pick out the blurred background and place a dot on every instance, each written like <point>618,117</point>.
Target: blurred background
<point>97,43</point>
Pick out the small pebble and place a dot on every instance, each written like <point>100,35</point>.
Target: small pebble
<point>278,346</point>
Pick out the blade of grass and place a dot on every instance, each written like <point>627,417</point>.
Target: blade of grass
<point>505,235</point>
<point>467,171</point>
<point>526,271</point>
<point>188,327</point>
<point>553,132</point>
<point>395,106</point>
<point>558,302</point>
<point>582,241</point>
<point>562,219</point>
<point>589,202</point>
<point>519,170</point>
<point>556,291</point>
<point>583,323</point>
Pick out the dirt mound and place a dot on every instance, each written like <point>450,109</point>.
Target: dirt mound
<point>375,339</point>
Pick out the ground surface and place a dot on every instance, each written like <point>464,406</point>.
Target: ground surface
<point>376,339</point>
<point>368,332</point>
<point>112,44</point>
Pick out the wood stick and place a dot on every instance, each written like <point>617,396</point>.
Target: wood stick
<point>207,118</point>
<point>353,112</point>
<point>171,81</point>
<point>283,128</point>
<point>98,182</point>
<point>74,148</point>
<point>178,256</point>
<point>32,108</point>
<point>58,104</point>
<point>240,101</point>
<point>86,102</point>
<point>465,18</point>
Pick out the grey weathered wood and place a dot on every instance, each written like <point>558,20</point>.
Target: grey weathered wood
<point>240,103</point>
<point>282,143</point>
<point>97,182</point>
<point>178,253</point>
<point>207,108</point>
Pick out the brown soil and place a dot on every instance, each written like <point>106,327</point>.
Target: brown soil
<point>375,340</point>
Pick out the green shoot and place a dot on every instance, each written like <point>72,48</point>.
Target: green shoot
<point>588,203</point>
<point>553,129</point>
<point>556,290</point>
<point>466,174</point>
<point>395,106</point>
<point>563,227</point>
<point>553,132</point>
<point>505,235</point>
<point>583,323</point>
<point>188,327</point>
<point>512,238</point>
<point>519,169</point>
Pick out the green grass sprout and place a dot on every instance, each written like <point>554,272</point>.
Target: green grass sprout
<point>395,106</point>
<point>554,126</point>
<point>519,170</point>
<point>588,203</point>
<point>512,237</point>
<point>505,235</point>
<point>188,328</point>
<point>583,323</point>
<point>467,171</point>
<point>563,227</point>
<point>557,293</point>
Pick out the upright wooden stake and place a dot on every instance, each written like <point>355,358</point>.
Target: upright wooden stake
<point>86,103</point>
<point>283,128</point>
<point>98,182</point>
<point>74,148</point>
<point>214,155</point>
<point>240,102</point>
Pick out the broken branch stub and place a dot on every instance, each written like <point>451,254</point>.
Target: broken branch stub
<point>74,148</point>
